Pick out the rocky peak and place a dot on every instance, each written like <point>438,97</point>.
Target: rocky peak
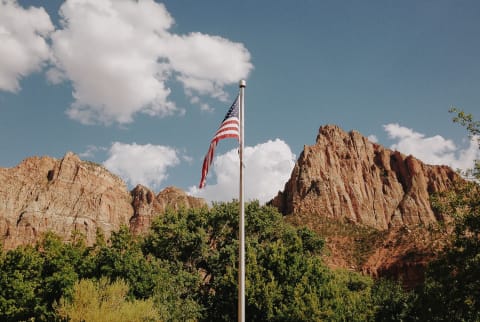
<point>176,198</point>
<point>147,206</point>
<point>45,194</point>
<point>345,176</point>
<point>344,180</point>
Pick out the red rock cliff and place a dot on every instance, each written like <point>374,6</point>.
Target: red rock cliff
<point>345,176</point>
<point>147,206</point>
<point>45,194</point>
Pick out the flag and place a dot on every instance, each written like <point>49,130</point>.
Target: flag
<point>229,128</point>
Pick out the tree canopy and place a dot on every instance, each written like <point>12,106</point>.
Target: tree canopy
<point>187,267</point>
<point>451,291</point>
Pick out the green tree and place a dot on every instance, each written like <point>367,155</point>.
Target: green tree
<point>473,128</point>
<point>124,258</point>
<point>175,293</point>
<point>452,286</point>
<point>179,236</point>
<point>20,284</point>
<point>33,278</point>
<point>391,301</point>
<point>59,272</point>
<point>286,278</point>
<point>102,301</point>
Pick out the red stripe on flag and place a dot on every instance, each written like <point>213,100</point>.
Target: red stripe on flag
<point>229,128</point>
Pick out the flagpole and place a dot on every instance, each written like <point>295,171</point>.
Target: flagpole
<point>241,252</point>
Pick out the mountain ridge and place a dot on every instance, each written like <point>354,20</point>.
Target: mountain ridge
<point>370,203</point>
<point>43,194</point>
<point>345,176</point>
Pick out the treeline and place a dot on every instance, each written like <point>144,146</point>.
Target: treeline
<point>185,270</point>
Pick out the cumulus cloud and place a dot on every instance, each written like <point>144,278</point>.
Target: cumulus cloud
<point>141,164</point>
<point>216,55</point>
<point>267,167</point>
<point>120,54</point>
<point>434,149</point>
<point>23,49</point>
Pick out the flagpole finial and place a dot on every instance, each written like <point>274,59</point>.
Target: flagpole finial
<point>243,83</point>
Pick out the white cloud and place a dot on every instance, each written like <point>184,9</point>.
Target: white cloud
<point>267,167</point>
<point>434,149</point>
<point>120,54</point>
<point>205,62</point>
<point>91,150</point>
<point>141,164</point>
<point>204,107</point>
<point>23,49</point>
<point>372,138</point>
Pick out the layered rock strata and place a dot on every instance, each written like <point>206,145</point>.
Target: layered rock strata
<point>45,194</point>
<point>345,176</point>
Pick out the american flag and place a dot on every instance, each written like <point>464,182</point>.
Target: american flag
<point>229,128</point>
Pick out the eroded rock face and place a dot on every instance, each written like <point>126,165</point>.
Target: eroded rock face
<point>45,194</point>
<point>42,194</point>
<point>348,179</point>
<point>147,206</point>
<point>345,176</point>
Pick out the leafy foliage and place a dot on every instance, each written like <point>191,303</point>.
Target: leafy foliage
<point>174,295</point>
<point>33,278</point>
<point>452,287</point>
<point>20,282</point>
<point>102,301</point>
<point>124,259</point>
<point>392,302</point>
<point>286,279</point>
<point>473,129</point>
<point>186,269</point>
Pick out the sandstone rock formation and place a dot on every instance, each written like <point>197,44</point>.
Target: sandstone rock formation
<point>146,205</point>
<point>347,179</point>
<point>45,194</point>
<point>345,176</point>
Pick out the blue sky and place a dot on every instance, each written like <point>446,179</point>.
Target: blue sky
<point>141,87</point>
